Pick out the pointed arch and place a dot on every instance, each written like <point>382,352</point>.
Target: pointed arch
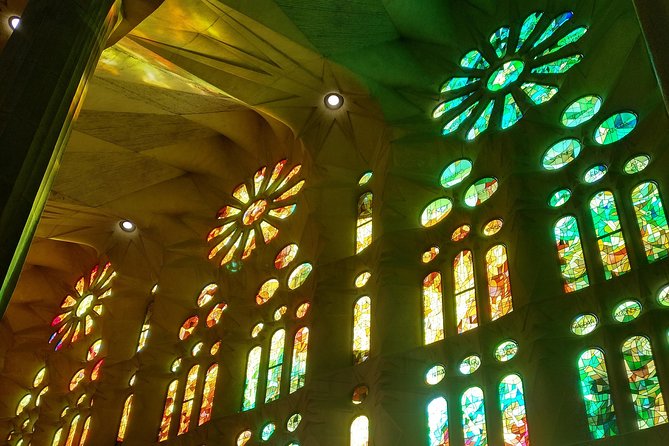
<point>437,422</point>
<point>473,417</point>
<point>360,431</point>
<point>125,416</point>
<point>166,420</point>
<point>433,312</point>
<point>189,396</point>
<point>514,413</point>
<point>364,222</point>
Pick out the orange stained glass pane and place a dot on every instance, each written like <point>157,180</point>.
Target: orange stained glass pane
<point>283,212</point>
<point>207,294</point>
<point>168,411</point>
<point>364,222</point>
<point>125,416</point>
<point>241,193</point>
<point>215,348</point>
<point>290,192</point>
<point>254,212</point>
<point>362,321</point>
<point>433,314</point>
<point>294,171</point>
<point>430,254</point>
<point>93,350</point>
<point>95,373</point>
<point>231,252</point>
<point>465,293</point>
<point>266,291</point>
<point>285,256</point>
<point>299,275</point>
<point>188,327</point>
<point>85,432</point>
<point>499,283</point>
<point>258,180</point>
<point>250,244</point>
<point>77,378</point>
<point>461,233</point>
<point>71,435</point>
<point>184,421</point>
<point>269,232</point>
<point>208,394</point>
<point>302,310</point>
<point>215,314</point>
<point>493,227</point>
<point>68,302</point>
<point>275,173</point>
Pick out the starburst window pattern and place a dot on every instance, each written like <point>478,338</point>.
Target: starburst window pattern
<point>298,371</point>
<point>360,431</point>
<point>433,314</point>
<point>499,283</point>
<point>275,365</point>
<point>473,417</point>
<point>597,394</point>
<point>437,421</point>
<point>82,307</point>
<point>514,416</point>
<point>609,234</point>
<point>643,382</point>
<point>570,253</point>
<point>260,205</point>
<point>362,322</point>
<point>465,291</point>
<point>652,220</point>
<point>252,375</point>
<point>497,91</point>
<point>364,222</point>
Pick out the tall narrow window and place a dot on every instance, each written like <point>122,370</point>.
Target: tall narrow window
<point>433,314</point>
<point>123,425</point>
<point>609,234</point>
<point>360,431</point>
<point>514,415</point>
<point>144,333</point>
<point>465,292</point>
<point>74,425</point>
<point>275,365</point>
<point>362,322</point>
<point>644,384</point>
<point>473,417</point>
<point>168,411</point>
<point>57,436</point>
<point>437,422</point>
<point>597,394</point>
<point>499,283</point>
<point>364,223</point>
<point>208,394</point>
<point>189,396</point>
<point>85,431</point>
<point>570,253</point>
<point>652,220</point>
<point>252,375</point>
<point>298,370</point>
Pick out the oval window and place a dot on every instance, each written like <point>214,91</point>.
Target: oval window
<point>455,173</point>
<point>636,164</point>
<point>559,198</point>
<point>627,311</point>
<point>285,256</point>
<point>615,128</point>
<point>493,227</point>
<point>561,153</point>
<point>581,111</point>
<point>470,364</point>
<point>584,324</point>
<point>481,191</point>
<point>299,275</point>
<point>595,173</point>
<point>266,291</point>
<point>506,351</point>
<point>435,374</point>
<point>436,212</point>
<point>460,233</point>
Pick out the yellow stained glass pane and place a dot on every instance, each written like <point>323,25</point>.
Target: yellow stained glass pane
<point>208,395</point>
<point>433,315</point>
<point>362,321</point>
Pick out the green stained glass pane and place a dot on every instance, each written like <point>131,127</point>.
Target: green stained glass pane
<point>570,254</point>
<point>506,351</point>
<point>611,242</point>
<point>474,60</point>
<point>293,422</point>
<point>456,122</point>
<point>527,28</point>
<point>636,164</point>
<point>559,66</point>
<point>595,173</point>
<point>435,374</point>
<point>643,382</point>
<point>559,198</point>
<point>481,191</point>
<point>514,415</point>
<point>553,27</point>
<point>627,311</point>
<point>437,420</point>
<point>447,106</point>
<point>499,41</point>
<point>570,38</point>
<point>652,220</point>
<point>505,75</point>
<point>473,417</point>
<point>663,296</point>
<point>364,179</point>
<point>457,83</point>
<point>584,324</point>
<point>597,394</point>
<point>436,212</point>
<point>580,111</point>
<point>275,365</point>
<point>299,275</point>
<point>561,153</point>
<point>267,431</point>
<point>604,214</point>
<point>539,94</point>
<point>455,173</point>
<point>252,375</point>
<point>511,114</point>
<point>470,364</point>
<point>482,122</point>
<point>615,128</point>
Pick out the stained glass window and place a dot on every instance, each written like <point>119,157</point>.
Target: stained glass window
<point>208,394</point>
<point>465,292</point>
<point>473,417</point>
<point>74,425</point>
<point>252,375</point>
<point>643,381</point>
<point>584,324</point>
<point>435,374</point>
<point>652,220</point>
<point>437,421</point>
<point>364,223</point>
<point>189,396</point>
<point>298,371</point>
<point>499,284</point>
<point>597,394</point>
<point>570,254</point>
<point>595,173</point>
<point>435,212</point>
<point>188,327</point>
<point>627,311</point>
<point>433,315</point>
<point>615,128</point>
<point>125,416</point>
<point>267,431</point>
<point>481,191</point>
<point>559,198</point>
<point>299,275</point>
<point>561,153</point>
<point>144,333</point>
<point>285,256</point>
<point>455,173</point>
<point>360,431</point>
<point>362,323</point>
<point>581,111</point>
<point>57,437</point>
<point>506,351</point>
<point>514,416</point>
<point>266,291</point>
<point>609,234</point>
<point>275,365</point>
<point>470,364</point>
<point>636,164</point>
<point>86,430</point>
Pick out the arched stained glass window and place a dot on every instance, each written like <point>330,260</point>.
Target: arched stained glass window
<point>644,384</point>
<point>609,234</point>
<point>362,322</point>
<point>473,417</point>
<point>570,253</point>
<point>125,416</point>
<point>499,284</point>
<point>252,375</point>
<point>597,394</point>
<point>652,220</point>
<point>57,437</point>
<point>144,333</point>
<point>86,430</point>
<point>364,223</point>
<point>437,422</point>
<point>275,365</point>
<point>74,425</point>
<point>360,431</point>
<point>465,292</point>
<point>189,396</point>
<point>514,415</point>
<point>433,314</point>
<point>298,370</point>
<point>168,411</point>
<point>208,394</point>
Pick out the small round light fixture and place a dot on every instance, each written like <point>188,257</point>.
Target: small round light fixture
<point>127,225</point>
<point>333,101</point>
<point>14,21</point>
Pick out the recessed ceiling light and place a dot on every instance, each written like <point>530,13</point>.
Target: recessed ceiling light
<point>333,101</point>
<point>127,225</point>
<point>14,21</point>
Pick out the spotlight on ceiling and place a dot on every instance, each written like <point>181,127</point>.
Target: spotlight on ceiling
<point>14,21</point>
<point>127,225</point>
<point>333,101</point>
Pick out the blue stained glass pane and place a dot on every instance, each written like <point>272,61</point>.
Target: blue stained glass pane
<point>514,415</point>
<point>580,111</point>
<point>499,41</point>
<point>473,417</point>
<point>474,60</point>
<point>554,26</point>
<point>615,128</point>
<point>512,113</point>
<point>528,27</point>
<point>457,83</point>
<point>559,66</point>
<point>481,124</point>
<point>561,153</point>
<point>538,93</point>
<point>595,173</point>
<point>445,107</point>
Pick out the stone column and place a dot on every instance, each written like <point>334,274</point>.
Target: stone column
<point>44,70</point>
